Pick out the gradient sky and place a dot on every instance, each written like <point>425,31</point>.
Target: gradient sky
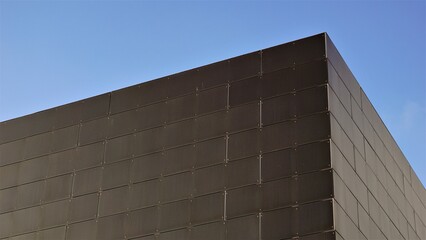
<point>56,52</point>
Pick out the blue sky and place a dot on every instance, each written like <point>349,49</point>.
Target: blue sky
<point>56,52</point>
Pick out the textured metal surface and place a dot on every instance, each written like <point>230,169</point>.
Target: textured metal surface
<point>239,149</point>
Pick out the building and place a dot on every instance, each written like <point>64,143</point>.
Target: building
<point>280,143</point>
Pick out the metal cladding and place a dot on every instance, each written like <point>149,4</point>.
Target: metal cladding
<point>280,143</point>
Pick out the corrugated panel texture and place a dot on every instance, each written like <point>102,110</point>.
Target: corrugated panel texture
<point>377,194</point>
<point>238,149</point>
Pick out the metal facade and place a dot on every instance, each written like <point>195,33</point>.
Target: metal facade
<point>280,143</point>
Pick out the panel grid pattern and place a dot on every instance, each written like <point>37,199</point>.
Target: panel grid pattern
<point>238,149</point>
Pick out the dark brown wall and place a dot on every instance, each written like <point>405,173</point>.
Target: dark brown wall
<point>237,149</point>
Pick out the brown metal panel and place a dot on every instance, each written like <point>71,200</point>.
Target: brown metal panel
<point>244,117</point>
<point>119,148</point>
<point>93,131</point>
<point>315,217</point>
<point>316,185</point>
<point>8,199</point>
<point>12,152</point>
<point>181,108</point>
<point>9,175</point>
<point>179,159</point>
<point>247,90</point>
<point>113,201</point>
<point>58,188</point>
<point>111,227</point>
<point>176,187</point>
<point>313,128</point>
<point>116,174</point>
<point>88,156</point>
<point>279,109</point>
<point>243,201</point>
<point>212,100</point>
<point>146,167</point>
<point>87,181</point>
<point>279,193</point>
<point>150,116</point>
<point>278,136</point>
<point>83,208</point>
<point>243,172</point>
<point>209,179</point>
<point>243,228</point>
<point>54,214</point>
<point>174,215</point>
<point>141,222</point>
<point>207,208</point>
<point>211,231</point>
<point>122,123</point>
<point>30,194</point>
<point>144,194</point>
<point>212,125</point>
<point>278,164</point>
<point>32,170</point>
<point>244,144</point>
<point>64,138</point>
<point>182,83</point>
<point>82,230</point>
<point>313,156</point>
<point>297,52</point>
<point>210,152</point>
<point>278,224</point>
<point>179,133</point>
<point>34,146</point>
<point>176,234</point>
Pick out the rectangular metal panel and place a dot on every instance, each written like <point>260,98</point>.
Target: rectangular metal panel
<point>315,217</point>
<point>34,146</point>
<point>244,144</point>
<point>146,167</point>
<point>141,222</point>
<point>278,136</point>
<point>148,141</point>
<point>211,231</point>
<point>279,193</point>
<point>209,179</point>
<point>32,170</point>
<point>212,125</point>
<point>313,128</point>
<point>247,90</point>
<point>243,228</point>
<point>144,194</point>
<point>242,201</point>
<point>58,188</point>
<point>179,159</point>
<point>30,194</point>
<point>89,156</point>
<point>176,234</point>
<point>174,215</point>
<point>210,152</point>
<point>176,187</point>
<point>180,133</point>
<point>82,230</point>
<point>292,53</point>
<point>61,162</point>
<point>95,107</point>
<point>28,219</point>
<point>278,164</point>
<point>212,100</point>
<point>93,131</point>
<point>54,214</point>
<point>313,156</point>
<point>279,224</point>
<point>8,199</point>
<point>119,148</point>
<point>244,117</point>
<point>83,208</point>
<point>9,175</point>
<point>243,172</point>
<point>207,208</point>
<point>113,201</point>
<point>182,83</point>
<point>116,174</point>
<point>87,181</point>
<point>122,123</point>
<point>150,116</point>
<point>111,227</point>
<point>279,109</point>
<point>181,108</point>
<point>316,185</point>
<point>64,138</point>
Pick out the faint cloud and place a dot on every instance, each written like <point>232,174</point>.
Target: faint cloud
<point>411,115</point>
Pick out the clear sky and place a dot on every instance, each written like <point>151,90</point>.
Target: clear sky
<point>56,52</point>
